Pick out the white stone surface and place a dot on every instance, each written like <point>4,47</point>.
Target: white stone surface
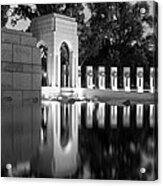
<point>140,79</point>
<point>113,75</point>
<point>101,77</point>
<point>126,79</point>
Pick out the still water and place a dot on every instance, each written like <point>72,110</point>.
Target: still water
<point>91,140</point>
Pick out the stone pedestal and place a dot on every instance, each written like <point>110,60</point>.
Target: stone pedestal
<point>113,78</point>
<point>126,79</point>
<point>101,77</point>
<point>140,79</point>
<point>89,76</point>
<point>152,80</point>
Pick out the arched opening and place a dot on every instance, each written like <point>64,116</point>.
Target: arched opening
<point>65,65</point>
<point>44,59</point>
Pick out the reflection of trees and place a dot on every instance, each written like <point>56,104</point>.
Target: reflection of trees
<point>119,153</point>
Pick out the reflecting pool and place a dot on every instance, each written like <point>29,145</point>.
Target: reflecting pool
<point>91,140</point>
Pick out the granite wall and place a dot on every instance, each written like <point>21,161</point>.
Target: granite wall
<point>20,68</point>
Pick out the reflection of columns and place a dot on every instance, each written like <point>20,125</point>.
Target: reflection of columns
<point>140,80</point>
<point>65,158</point>
<point>139,115</point>
<point>114,78</point>
<point>113,115</point>
<point>126,116</point>
<point>101,114</point>
<point>79,76</point>
<point>89,115</point>
<point>78,104</point>
<point>89,76</point>
<point>152,80</point>
<point>152,115</point>
<point>101,77</point>
<point>126,78</point>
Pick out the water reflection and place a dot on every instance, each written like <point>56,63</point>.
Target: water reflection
<point>81,140</point>
<point>113,115</point>
<point>126,116</point>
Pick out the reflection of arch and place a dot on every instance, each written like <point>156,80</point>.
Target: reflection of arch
<point>66,127</point>
<point>44,58</point>
<point>65,65</point>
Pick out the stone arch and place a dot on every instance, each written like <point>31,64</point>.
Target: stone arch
<point>65,62</point>
<point>44,61</point>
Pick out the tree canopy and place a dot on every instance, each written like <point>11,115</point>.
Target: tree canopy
<point>117,33</point>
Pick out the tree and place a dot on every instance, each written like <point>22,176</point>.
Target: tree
<point>115,34</point>
<point>30,11</point>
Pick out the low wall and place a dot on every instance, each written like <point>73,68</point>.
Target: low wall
<point>20,67</point>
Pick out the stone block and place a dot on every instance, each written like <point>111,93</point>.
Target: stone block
<point>11,67</point>
<point>11,97</point>
<point>29,41</point>
<point>31,97</point>
<point>22,81</point>
<point>36,82</point>
<point>6,81</point>
<point>10,38</point>
<point>6,52</point>
<point>37,69</point>
<point>27,68</point>
<point>36,56</point>
<point>22,54</point>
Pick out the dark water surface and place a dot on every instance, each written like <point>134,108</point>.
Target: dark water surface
<point>80,140</point>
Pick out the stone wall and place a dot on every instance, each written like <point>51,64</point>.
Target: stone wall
<point>20,68</point>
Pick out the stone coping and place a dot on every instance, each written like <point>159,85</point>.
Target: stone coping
<point>10,31</point>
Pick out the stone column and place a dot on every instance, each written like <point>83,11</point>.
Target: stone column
<point>114,78</point>
<point>126,116</point>
<point>89,76</point>
<point>126,79</point>
<point>152,80</point>
<point>101,115</point>
<point>139,115</point>
<point>140,80</point>
<point>113,115</point>
<point>101,77</point>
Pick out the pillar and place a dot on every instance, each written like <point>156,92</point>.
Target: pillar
<point>89,76</point>
<point>101,77</point>
<point>126,79</point>
<point>114,78</point>
<point>140,80</point>
<point>152,80</point>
